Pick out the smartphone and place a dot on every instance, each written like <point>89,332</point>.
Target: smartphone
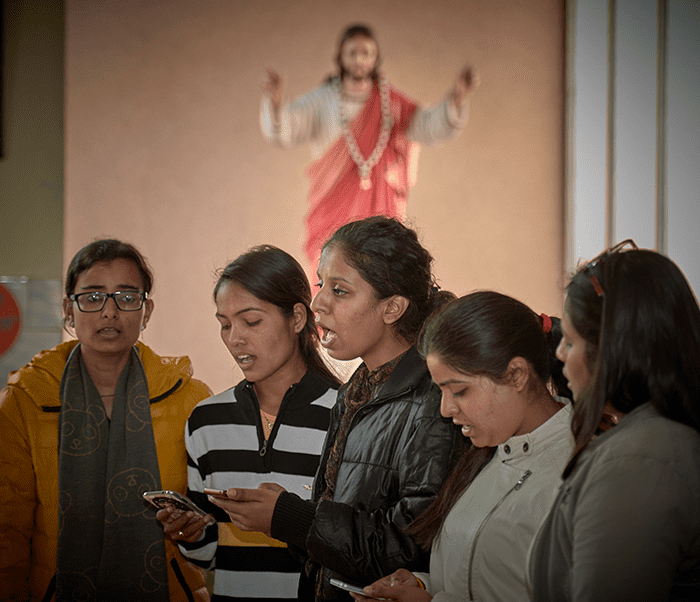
<point>216,492</point>
<point>355,589</point>
<point>165,499</point>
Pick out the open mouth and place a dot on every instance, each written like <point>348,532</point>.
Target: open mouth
<point>245,359</point>
<point>108,331</point>
<point>327,336</point>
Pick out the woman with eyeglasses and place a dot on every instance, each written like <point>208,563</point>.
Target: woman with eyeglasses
<point>626,523</point>
<point>85,429</point>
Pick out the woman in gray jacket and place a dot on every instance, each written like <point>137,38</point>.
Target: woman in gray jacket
<point>493,358</point>
<point>626,523</point>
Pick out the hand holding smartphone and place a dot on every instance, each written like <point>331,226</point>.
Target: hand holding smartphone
<point>216,492</point>
<point>165,499</point>
<point>355,589</point>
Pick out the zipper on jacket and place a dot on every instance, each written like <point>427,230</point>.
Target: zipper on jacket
<point>273,431</point>
<point>515,487</point>
<point>167,393</point>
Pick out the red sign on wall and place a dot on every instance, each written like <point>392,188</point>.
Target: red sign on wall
<point>10,320</point>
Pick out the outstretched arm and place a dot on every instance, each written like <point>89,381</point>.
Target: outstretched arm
<point>436,124</point>
<point>359,544</point>
<point>297,122</point>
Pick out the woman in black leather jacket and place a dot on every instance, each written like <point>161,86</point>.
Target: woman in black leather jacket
<point>387,450</point>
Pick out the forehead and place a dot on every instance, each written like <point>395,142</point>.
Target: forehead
<point>104,273</point>
<point>567,326</point>
<point>442,371</point>
<point>359,42</point>
<point>334,266</point>
<point>233,297</point>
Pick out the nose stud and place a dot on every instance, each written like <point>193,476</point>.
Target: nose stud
<point>317,318</point>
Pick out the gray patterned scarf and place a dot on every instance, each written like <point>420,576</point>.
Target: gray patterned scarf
<point>110,547</point>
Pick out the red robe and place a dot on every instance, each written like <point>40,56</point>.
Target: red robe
<point>336,197</point>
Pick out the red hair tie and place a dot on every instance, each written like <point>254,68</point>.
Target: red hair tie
<point>546,323</point>
<point>596,286</point>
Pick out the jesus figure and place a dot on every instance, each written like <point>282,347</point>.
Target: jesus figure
<point>363,133</point>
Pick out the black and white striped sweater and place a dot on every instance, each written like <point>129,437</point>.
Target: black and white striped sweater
<point>226,448</point>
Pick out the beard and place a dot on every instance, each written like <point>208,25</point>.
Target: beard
<point>355,77</point>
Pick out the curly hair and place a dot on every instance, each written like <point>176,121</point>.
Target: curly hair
<point>389,256</point>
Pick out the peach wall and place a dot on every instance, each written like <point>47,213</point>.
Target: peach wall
<point>163,147</point>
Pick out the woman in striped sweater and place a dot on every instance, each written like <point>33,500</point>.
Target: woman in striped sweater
<point>270,427</point>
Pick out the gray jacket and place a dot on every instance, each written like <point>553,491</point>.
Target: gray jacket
<point>626,524</point>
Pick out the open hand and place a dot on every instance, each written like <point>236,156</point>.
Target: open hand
<point>467,81</point>
<point>273,85</point>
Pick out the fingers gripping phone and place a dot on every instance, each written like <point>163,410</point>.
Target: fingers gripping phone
<point>216,492</point>
<point>165,499</point>
<point>355,589</point>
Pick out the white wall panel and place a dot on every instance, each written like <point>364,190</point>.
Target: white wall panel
<point>654,136</point>
<point>589,105</point>
<point>635,121</point>
<point>684,138</point>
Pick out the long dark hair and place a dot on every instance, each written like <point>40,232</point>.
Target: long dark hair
<point>272,275</point>
<point>641,324</point>
<point>389,256</point>
<point>480,334</point>
<point>354,31</point>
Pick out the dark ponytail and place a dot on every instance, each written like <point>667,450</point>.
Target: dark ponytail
<point>480,334</point>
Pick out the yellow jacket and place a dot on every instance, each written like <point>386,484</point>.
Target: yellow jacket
<point>29,408</point>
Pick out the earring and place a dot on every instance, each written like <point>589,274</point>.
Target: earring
<point>72,324</point>
<point>143,327</point>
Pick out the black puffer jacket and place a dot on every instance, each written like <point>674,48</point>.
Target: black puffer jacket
<point>396,456</point>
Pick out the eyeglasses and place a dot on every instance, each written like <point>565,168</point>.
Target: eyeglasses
<point>605,254</point>
<point>95,301</point>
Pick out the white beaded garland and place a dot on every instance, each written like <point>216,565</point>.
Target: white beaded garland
<point>365,166</point>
